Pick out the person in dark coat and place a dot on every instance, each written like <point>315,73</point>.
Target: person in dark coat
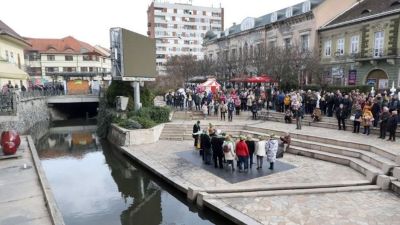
<point>357,119</point>
<point>205,143</point>
<point>218,153</point>
<point>254,110</point>
<point>376,109</point>
<point>251,147</point>
<point>341,115</point>
<point>392,126</point>
<point>384,119</point>
<point>196,129</point>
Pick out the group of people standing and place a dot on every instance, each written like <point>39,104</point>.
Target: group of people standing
<point>223,149</point>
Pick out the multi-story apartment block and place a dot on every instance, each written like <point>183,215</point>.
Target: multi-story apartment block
<point>11,56</point>
<point>179,29</point>
<point>296,25</point>
<point>362,46</point>
<point>58,59</point>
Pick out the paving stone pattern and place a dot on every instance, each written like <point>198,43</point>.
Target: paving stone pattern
<point>344,208</point>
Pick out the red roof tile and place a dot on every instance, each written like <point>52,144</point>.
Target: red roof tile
<point>61,46</point>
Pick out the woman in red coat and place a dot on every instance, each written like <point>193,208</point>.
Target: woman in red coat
<point>242,153</point>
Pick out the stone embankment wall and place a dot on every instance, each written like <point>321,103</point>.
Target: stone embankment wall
<point>29,112</point>
<point>124,137</point>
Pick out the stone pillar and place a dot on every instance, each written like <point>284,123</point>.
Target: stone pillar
<point>136,94</point>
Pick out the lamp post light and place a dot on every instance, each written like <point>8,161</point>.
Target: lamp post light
<point>393,89</point>
<point>372,91</point>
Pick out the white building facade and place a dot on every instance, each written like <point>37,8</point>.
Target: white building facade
<point>179,29</point>
<point>48,58</point>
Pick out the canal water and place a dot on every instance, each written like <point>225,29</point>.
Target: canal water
<point>94,184</point>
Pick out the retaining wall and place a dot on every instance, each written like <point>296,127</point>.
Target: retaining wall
<point>29,112</point>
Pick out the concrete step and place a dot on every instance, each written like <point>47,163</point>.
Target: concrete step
<point>395,187</point>
<point>379,151</point>
<point>372,158</point>
<point>171,138</point>
<point>371,172</point>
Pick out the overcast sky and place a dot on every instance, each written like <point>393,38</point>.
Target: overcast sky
<point>90,20</point>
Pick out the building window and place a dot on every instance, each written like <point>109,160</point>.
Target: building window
<point>398,79</point>
<point>340,46</point>
<point>51,69</point>
<point>274,16</point>
<point>287,42</point>
<point>305,42</point>
<point>87,58</point>
<point>69,69</point>
<point>379,44</point>
<point>69,58</point>
<point>306,6</point>
<point>51,57</point>
<point>272,44</point>
<point>84,69</point>
<point>328,47</point>
<point>7,57</point>
<point>355,40</point>
<point>289,12</point>
<point>12,60</point>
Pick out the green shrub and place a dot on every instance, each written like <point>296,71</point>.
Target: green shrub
<point>146,97</point>
<point>119,88</point>
<point>144,121</point>
<point>130,124</point>
<point>155,113</point>
<point>104,118</point>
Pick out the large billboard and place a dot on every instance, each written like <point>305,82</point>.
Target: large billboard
<point>133,55</point>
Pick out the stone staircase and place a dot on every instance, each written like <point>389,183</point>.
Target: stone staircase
<point>198,115</point>
<point>327,122</point>
<point>180,132</point>
<point>372,161</point>
<point>368,160</point>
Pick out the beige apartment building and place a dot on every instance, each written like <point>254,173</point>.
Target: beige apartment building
<point>296,25</point>
<point>179,29</point>
<point>12,61</point>
<point>60,59</point>
<point>361,46</point>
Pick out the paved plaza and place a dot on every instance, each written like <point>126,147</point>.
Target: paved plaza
<point>301,190</point>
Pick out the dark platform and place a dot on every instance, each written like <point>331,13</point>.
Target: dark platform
<point>193,157</point>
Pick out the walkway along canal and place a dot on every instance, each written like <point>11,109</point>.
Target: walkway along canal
<point>94,184</point>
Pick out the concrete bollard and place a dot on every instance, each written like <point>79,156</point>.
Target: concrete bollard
<point>199,200</point>
<point>396,172</point>
<point>384,181</point>
<point>398,160</point>
<point>192,194</point>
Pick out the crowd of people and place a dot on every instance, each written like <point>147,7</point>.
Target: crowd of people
<point>363,109</point>
<point>222,150</point>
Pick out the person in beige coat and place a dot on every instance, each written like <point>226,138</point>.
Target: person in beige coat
<point>260,151</point>
<point>229,151</point>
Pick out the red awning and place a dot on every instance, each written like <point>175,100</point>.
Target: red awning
<point>259,79</point>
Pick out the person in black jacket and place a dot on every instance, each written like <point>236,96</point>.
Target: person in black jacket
<point>376,109</point>
<point>218,153</point>
<point>252,147</point>
<point>205,143</point>
<point>392,126</point>
<point>254,109</point>
<point>384,118</point>
<point>341,115</point>
<point>196,128</point>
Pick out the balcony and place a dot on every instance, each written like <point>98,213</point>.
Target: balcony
<point>377,55</point>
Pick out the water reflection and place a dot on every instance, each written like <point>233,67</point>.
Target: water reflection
<point>94,184</point>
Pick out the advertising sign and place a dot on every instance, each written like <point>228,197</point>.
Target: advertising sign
<point>383,83</point>
<point>371,82</point>
<point>352,77</point>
